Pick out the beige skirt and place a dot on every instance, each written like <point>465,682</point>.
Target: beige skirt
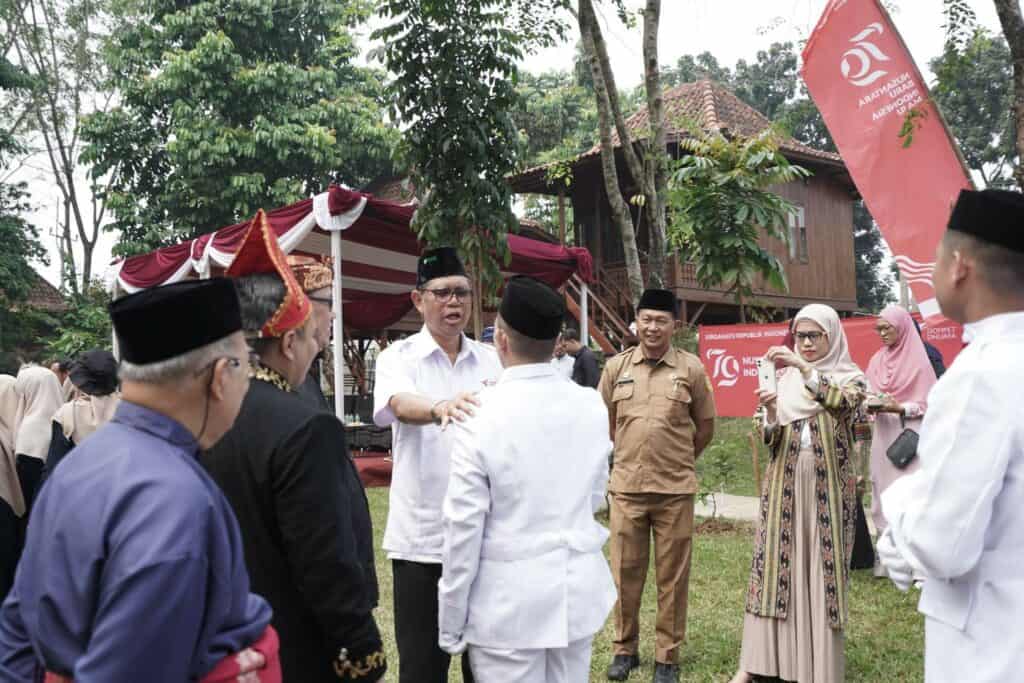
<point>801,647</point>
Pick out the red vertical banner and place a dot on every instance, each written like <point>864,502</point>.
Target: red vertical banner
<point>861,75</point>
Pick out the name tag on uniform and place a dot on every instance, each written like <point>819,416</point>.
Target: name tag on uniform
<point>627,380</point>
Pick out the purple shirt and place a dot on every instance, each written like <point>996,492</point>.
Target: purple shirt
<point>133,568</point>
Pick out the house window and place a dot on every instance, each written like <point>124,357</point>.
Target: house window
<point>798,236</point>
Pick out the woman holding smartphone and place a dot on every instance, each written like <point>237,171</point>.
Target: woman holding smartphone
<point>796,600</point>
<point>900,376</point>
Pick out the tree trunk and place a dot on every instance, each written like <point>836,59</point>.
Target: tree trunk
<point>656,158</point>
<point>1013,28</point>
<point>607,99</point>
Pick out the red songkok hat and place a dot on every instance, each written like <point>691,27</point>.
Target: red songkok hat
<point>260,253</point>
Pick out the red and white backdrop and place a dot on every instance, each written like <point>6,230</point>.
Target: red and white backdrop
<point>379,254</point>
<point>730,352</point>
<point>861,75</point>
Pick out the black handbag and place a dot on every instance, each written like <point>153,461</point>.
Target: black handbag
<point>903,450</point>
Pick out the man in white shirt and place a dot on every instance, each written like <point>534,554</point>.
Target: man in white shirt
<point>562,361</point>
<point>422,383</point>
<point>525,583</point>
<point>957,521</point>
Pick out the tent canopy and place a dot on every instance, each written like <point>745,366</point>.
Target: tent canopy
<point>378,255</point>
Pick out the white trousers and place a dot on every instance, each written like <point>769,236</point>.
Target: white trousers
<point>559,665</point>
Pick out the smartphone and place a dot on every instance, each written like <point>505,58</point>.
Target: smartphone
<point>766,376</point>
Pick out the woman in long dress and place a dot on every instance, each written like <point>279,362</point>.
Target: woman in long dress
<point>900,375</point>
<point>796,601</point>
<point>12,504</point>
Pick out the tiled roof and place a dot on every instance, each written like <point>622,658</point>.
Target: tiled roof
<point>707,105</point>
<point>44,296</point>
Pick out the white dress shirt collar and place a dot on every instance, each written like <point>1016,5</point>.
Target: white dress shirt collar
<point>994,326</point>
<point>527,371</point>
<point>426,345</point>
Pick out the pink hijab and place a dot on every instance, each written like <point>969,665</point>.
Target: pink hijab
<point>902,370</point>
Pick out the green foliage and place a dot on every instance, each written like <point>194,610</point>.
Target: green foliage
<point>690,68</point>
<point>718,470</point>
<point>973,90</point>
<point>720,205</point>
<point>912,122</point>
<point>230,107</point>
<point>20,240</point>
<point>556,117</point>
<point>801,119</point>
<point>685,337</point>
<point>874,286</point>
<point>769,82</point>
<point>85,325</point>
<point>961,23</point>
<point>454,89</point>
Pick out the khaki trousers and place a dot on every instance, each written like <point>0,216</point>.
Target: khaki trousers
<point>633,516</point>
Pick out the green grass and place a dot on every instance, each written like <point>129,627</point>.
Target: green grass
<point>884,641</point>
<point>731,442</point>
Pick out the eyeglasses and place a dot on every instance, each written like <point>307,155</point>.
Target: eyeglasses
<point>445,294</point>
<point>813,337</point>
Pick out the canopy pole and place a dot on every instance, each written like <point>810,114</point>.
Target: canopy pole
<point>339,327</point>
<point>584,314</point>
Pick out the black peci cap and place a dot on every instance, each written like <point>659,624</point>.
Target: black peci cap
<point>165,322</point>
<point>993,216</point>
<point>532,308</point>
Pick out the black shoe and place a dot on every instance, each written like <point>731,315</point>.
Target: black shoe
<point>621,666</point>
<point>666,673</point>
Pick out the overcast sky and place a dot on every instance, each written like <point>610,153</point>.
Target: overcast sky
<point>729,29</point>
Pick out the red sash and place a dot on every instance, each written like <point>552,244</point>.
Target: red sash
<point>258,663</point>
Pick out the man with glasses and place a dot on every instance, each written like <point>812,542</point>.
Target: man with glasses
<point>302,509</point>
<point>661,417</point>
<point>133,568</point>
<point>422,383</point>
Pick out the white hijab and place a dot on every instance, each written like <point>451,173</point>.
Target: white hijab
<point>85,414</point>
<point>795,401</point>
<point>40,399</point>
<point>10,406</point>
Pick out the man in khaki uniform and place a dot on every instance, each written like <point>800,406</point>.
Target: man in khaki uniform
<point>662,416</point>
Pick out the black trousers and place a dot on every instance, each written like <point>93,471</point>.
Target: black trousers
<point>420,660</point>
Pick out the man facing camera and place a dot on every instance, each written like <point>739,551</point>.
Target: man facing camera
<point>525,584</point>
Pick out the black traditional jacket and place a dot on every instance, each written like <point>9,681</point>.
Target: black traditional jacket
<point>306,530</point>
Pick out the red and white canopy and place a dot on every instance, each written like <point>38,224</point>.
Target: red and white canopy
<point>378,254</point>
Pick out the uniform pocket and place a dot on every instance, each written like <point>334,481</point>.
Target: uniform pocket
<point>622,397</point>
<point>679,401</point>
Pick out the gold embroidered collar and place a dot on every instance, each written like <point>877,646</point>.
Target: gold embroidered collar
<point>265,374</point>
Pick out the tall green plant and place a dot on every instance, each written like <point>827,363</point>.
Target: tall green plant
<point>454,90</point>
<point>721,205</point>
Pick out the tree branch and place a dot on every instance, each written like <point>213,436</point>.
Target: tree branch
<point>609,172</point>
<point>1013,28</point>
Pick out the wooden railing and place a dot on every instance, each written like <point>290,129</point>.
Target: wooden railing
<point>605,325</point>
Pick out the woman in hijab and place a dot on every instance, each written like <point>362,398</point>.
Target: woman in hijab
<point>796,600</point>
<point>94,374</point>
<point>900,375</point>
<point>40,394</point>
<point>12,504</point>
